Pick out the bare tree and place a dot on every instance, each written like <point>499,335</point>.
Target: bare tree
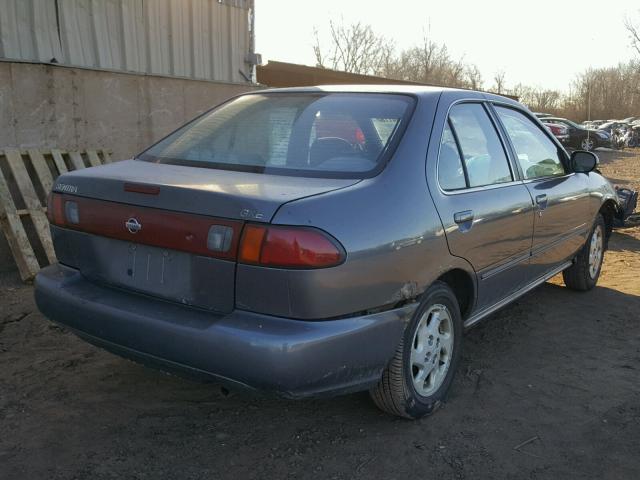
<point>546,99</point>
<point>355,48</point>
<point>634,33</point>
<point>498,82</point>
<point>474,77</point>
<point>602,93</point>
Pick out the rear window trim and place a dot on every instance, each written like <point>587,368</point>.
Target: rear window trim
<point>384,158</point>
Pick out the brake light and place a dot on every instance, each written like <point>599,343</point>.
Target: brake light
<point>289,247</point>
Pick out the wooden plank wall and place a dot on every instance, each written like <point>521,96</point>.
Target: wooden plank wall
<point>26,179</point>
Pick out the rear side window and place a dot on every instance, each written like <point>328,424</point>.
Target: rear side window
<point>450,170</point>
<point>324,134</point>
<point>471,133</point>
<point>537,155</point>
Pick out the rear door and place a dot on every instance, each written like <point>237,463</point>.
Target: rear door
<point>562,201</point>
<point>486,211</point>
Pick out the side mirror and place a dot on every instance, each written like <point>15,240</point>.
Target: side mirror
<point>583,161</point>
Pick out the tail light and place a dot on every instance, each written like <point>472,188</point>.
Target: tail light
<point>289,247</point>
<point>55,209</point>
<point>197,234</point>
<point>266,245</point>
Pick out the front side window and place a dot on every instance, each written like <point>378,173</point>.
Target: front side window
<point>485,160</point>
<point>309,134</point>
<point>537,155</point>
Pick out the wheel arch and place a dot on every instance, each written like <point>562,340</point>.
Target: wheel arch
<point>608,210</point>
<point>463,286</point>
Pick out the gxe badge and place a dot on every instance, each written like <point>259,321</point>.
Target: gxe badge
<point>133,225</point>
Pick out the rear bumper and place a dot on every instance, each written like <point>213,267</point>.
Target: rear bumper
<point>292,358</point>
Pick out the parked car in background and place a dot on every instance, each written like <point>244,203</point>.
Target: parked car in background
<point>592,124</point>
<point>634,136</point>
<point>609,127</point>
<point>249,248</point>
<point>580,137</point>
<point>542,115</point>
<point>618,132</point>
<point>561,132</point>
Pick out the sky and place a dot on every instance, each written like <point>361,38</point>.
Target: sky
<point>540,43</point>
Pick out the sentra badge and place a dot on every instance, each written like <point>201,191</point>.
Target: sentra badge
<point>66,188</point>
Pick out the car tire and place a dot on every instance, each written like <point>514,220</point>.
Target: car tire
<point>583,274</point>
<point>412,386</point>
<point>588,144</point>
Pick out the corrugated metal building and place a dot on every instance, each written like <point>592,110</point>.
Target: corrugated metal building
<point>117,74</point>
<point>199,39</point>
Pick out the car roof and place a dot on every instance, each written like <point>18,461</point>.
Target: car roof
<point>419,90</point>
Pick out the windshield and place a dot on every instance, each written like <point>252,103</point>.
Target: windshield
<point>312,134</point>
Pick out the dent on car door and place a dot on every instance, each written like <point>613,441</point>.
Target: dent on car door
<point>487,215</point>
<point>562,203</point>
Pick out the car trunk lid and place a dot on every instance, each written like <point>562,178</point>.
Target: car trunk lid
<point>165,230</point>
<point>204,191</point>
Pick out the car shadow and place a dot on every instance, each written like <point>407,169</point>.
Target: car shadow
<point>621,241</point>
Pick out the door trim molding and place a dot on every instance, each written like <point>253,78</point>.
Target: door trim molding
<point>540,249</point>
<point>510,263</point>
<point>474,319</point>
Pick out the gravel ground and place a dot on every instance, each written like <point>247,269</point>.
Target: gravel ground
<point>548,388</point>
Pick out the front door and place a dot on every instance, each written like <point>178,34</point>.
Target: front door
<point>486,212</point>
<point>562,204</point>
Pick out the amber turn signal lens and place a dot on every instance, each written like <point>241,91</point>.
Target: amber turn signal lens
<point>251,244</point>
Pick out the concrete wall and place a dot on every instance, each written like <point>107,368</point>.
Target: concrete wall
<point>49,106</point>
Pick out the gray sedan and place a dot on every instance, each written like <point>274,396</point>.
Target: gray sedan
<point>324,240</point>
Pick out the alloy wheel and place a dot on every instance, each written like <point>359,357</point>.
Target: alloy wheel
<point>595,251</point>
<point>587,144</point>
<point>432,350</point>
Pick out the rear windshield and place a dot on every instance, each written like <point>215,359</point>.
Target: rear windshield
<point>324,135</point>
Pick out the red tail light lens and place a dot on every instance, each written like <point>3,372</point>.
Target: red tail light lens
<point>289,247</point>
<point>55,209</point>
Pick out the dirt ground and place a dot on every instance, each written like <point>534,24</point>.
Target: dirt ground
<point>557,372</point>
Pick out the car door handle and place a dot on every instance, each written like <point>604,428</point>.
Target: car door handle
<point>463,217</point>
<point>541,201</point>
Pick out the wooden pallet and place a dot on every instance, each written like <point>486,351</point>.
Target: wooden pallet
<point>26,178</point>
